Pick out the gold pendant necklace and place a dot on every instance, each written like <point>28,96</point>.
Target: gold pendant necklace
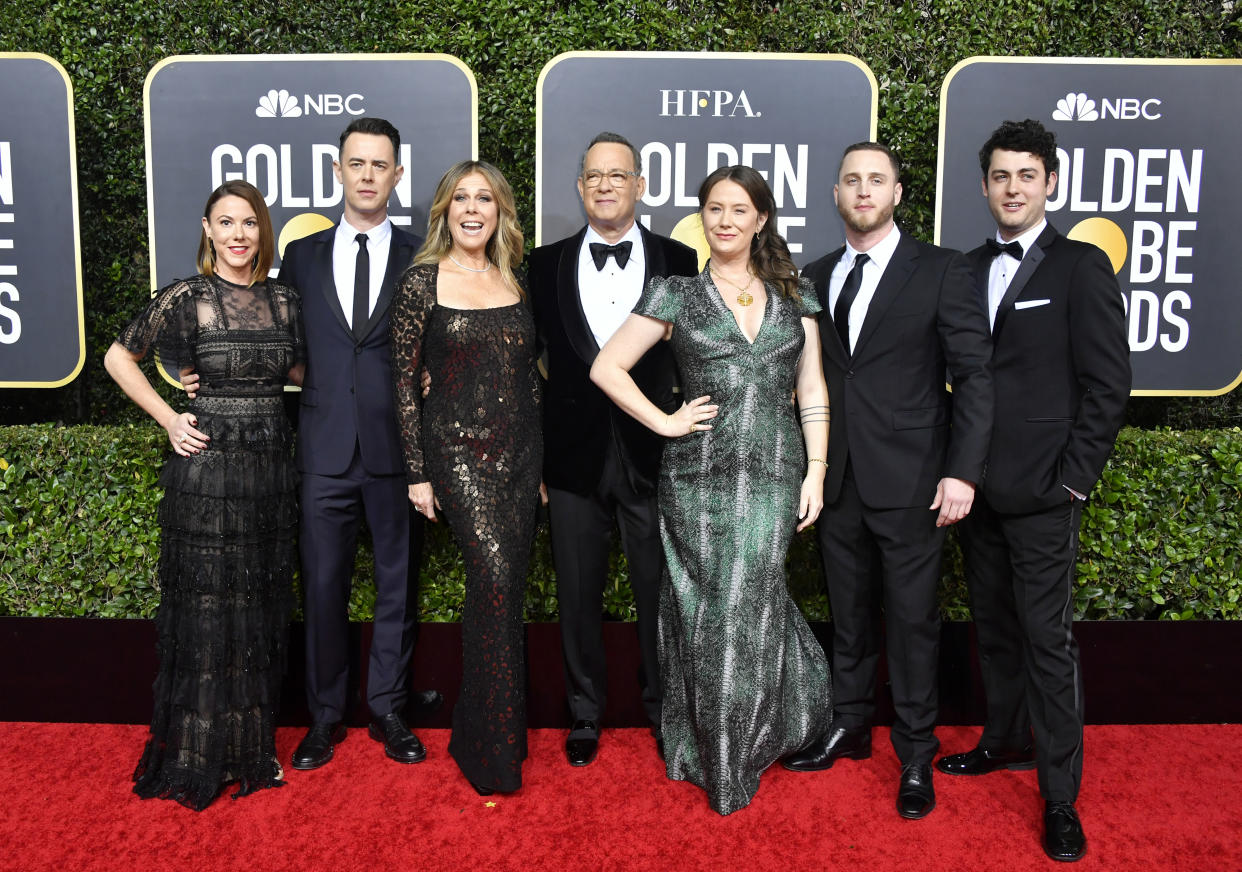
<point>743,296</point>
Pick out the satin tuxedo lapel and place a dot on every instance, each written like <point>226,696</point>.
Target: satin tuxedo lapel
<point>653,254</point>
<point>327,280</point>
<point>569,301</point>
<point>1030,262</point>
<point>896,275</point>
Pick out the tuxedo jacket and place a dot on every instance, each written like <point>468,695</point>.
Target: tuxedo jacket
<point>1061,366</point>
<point>347,393</point>
<point>579,419</point>
<point>892,418</point>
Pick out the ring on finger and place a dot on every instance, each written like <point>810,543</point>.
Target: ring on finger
<point>181,438</point>
<point>692,428</point>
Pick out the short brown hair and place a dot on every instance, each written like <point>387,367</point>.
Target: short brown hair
<point>267,239</point>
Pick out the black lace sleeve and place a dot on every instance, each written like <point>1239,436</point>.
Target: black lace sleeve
<point>287,298</point>
<point>168,325</point>
<point>411,310</point>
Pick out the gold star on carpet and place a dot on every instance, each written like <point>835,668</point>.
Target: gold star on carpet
<point>489,804</point>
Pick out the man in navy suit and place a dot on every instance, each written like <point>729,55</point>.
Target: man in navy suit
<point>904,460</point>
<point>348,450</point>
<point>601,465</point>
<point>1062,372</point>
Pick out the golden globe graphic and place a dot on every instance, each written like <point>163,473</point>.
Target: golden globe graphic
<point>299,226</point>
<point>1106,235</point>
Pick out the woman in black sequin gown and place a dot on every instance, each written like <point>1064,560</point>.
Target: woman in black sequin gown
<point>228,518</point>
<point>474,447</point>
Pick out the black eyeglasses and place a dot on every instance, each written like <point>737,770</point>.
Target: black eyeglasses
<point>616,178</point>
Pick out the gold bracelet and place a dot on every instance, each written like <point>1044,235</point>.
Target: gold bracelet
<point>817,460</point>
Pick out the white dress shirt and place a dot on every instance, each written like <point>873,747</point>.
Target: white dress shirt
<point>878,257</point>
<point>345,258</point>
<point>609,295</point>
<point>1005,266</point>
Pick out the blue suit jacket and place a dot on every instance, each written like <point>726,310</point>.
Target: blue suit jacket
<point>347,393</point>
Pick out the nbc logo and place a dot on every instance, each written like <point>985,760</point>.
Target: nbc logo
<point>278,104</point>
<point>1075,107</point>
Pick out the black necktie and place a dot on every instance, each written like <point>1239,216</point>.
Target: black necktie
<point>362,288</point>
<point>1012,248</point>
<point>849,290</point>
<point>600,252</point>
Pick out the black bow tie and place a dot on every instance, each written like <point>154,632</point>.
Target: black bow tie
<point>620,251</point>
<point>1011,248</point>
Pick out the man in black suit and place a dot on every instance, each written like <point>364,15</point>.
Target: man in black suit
<point>903,461</point>
<point>1062,371</point>
<point>348,449</point>
<point>600,465</point>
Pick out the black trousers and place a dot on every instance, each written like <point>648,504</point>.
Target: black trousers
<point>581,541</point>
<point>332,510</point>
<point>1020,574</point>
<point>884,564</point>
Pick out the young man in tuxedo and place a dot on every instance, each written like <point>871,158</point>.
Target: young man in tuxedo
<point>1062,371</point>
<point>600,465</point>
<point>348,450</point>
<point>903,461</point>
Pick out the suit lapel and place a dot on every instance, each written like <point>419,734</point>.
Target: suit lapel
<point>1030,262</point>
<point>569,300</point>
<point>327,278</point>
<point>900,267</point>
<point>828,338</point>
<point>657,265</point>
<point>399,256</point>
<point>983,270</point>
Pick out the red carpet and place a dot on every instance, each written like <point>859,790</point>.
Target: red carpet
<point>1154,798</point>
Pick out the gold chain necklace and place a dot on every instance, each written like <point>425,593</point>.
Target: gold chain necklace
<point>743,296</point>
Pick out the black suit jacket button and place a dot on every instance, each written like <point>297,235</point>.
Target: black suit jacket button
<point>850,374</point>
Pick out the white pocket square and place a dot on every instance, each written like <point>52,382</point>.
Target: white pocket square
<point>1030,304</point>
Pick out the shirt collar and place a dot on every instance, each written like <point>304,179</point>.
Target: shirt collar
<point>379,233</point>
<point>880,253</point>
<point>1027,239</point>
<point>632,235</point>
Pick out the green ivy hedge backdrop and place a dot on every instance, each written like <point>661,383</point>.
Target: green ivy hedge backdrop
<point>1160,536</point>
<point>77,503</point>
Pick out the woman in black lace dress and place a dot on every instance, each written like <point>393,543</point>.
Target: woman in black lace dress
<point>228,518</point>
<point>474,447</point>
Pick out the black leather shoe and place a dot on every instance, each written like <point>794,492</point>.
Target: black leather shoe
<point>821,754</point>
<point>916,797</point>
<point>399,743</point>
<point>481,790</point>
<point>1063,837</point>
<point>581,751</point>
<point>980,761</point>
<point>318,746</point>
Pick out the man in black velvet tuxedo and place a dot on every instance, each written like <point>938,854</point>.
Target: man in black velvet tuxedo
<point>600,465</point>
<point>903,461</point>
<point>1062,372</point>
<point>348,450</point>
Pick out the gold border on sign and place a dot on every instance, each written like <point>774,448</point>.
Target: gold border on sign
<point>73,210</point>
<point>1147,62</point>
<point>683,55</point>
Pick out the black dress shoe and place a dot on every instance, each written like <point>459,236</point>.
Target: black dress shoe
<point>317,747</point>
<point>821,754</point>
<point>916,797</point>
<point>1063,837</point>
<point>581,751</point>
<point>980,761</point>
<point>399,743</point>
<point>481,790</point>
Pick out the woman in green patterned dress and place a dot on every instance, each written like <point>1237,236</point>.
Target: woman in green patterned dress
<point>745,681</point>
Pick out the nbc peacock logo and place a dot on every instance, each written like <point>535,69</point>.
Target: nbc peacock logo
<point>278,104</point>
<point>1075,107</point>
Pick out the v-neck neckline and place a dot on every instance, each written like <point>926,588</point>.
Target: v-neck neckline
<point>767,302</point>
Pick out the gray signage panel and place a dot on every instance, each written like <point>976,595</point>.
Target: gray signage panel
<point>42,333</point>
<point>1148,152</point>
<point>788,116</point>
<point>275,120</point>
